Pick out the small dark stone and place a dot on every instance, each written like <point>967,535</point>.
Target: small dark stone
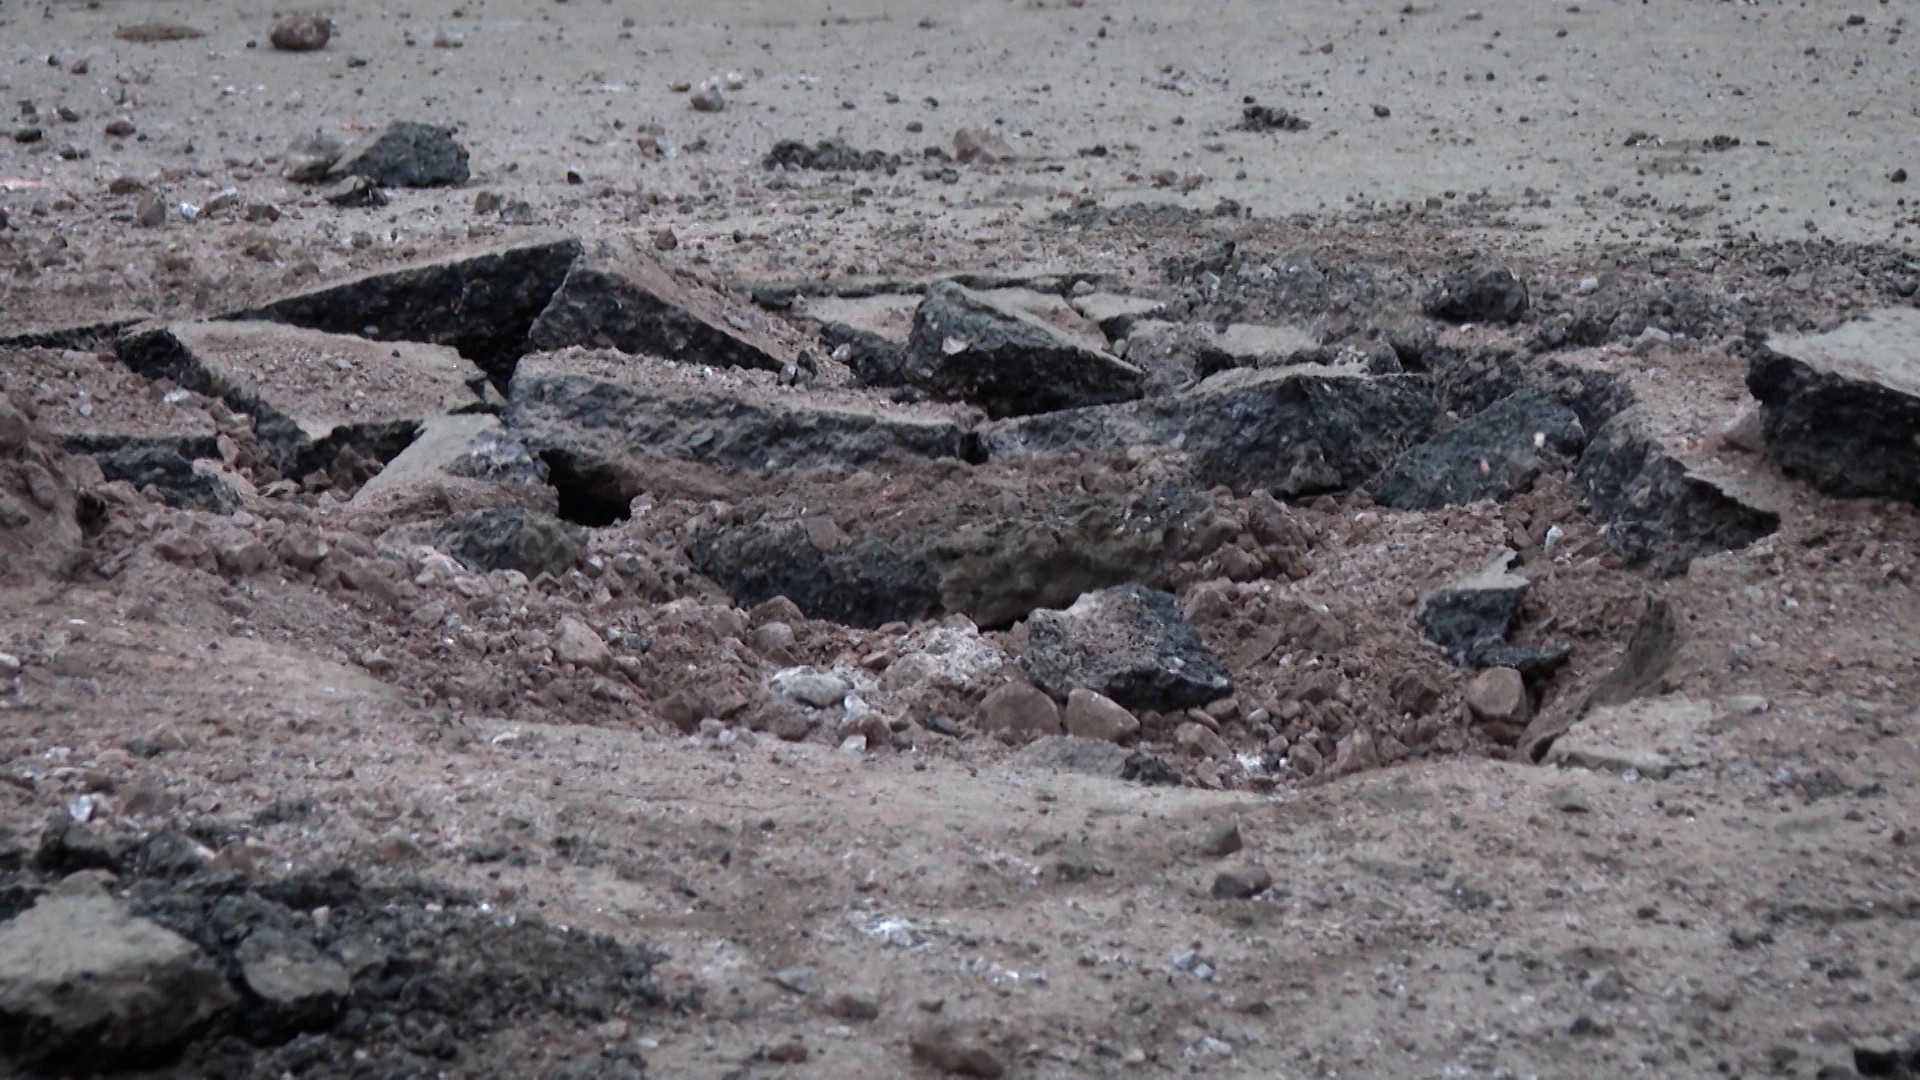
<point>1149,769</point>
<point>511,538</point>
<point>1130,644</point>
<point>1479,294</point>
<point>1241,883</point>
<point>406,154</point>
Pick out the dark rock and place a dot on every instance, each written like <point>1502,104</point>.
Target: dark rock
<point>995,568</point>
<point>83,982</point>
<point>831,155</point>
<point>1657,511</point>
<point>482,303</point>
<point>1489,456</point>
<point>596,418</point>
<point>94,335</point>
<point>636,306</point>
<point>172,473</point>
<point>311,394</point>
<point>1474,613</point>
<point>968,347</point>
<point>1479,294</point>
<point>1842,410</point>
<point>1269,118</point>
<point>1149,769</point>
<point>1241,883</point>
<point>1130,644</point>
<point>510,538</point>
<point>405,154</point>
<point>1294,432</point>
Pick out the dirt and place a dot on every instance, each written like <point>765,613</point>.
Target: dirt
<point>607,858</point>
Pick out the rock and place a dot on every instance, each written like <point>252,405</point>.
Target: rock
<point>1746,432</point>
<point>294,986</point>
<point>812,688</point>
<point>301,32</point>
<point>441,445</point>
<point>1073,754</point>
<point>1305,757</point>
<point>1150,769</point>
<point>1658,512</point>
<point>635,305</point>
<point>509,538</point>
<point>1128,643</point>
<point>804,981</point>
<point>311,394</point>
<point>1654,737</point>
<point>1842,410</point>
<point>151,211</point>
<point>481,302</point>
<point>1414,694</point>
<point>1017,712</point>
<point>1498,698</point>
<point>976,145</point>
<point>83,981</point>
<point>1200,741</point>
<point>949,1049</point>
<point>1295,431</point>
<point>1478,294</point>
<point>996,566</point>
<point>968,347</point>
<point>354,191</point>
<point>1241,883</point>
<point>830,155</point>
<point>181,486</point>
<point>1492,455</point>
<point>609,423</point>
<point>405,154</point>
<point>1094,716</point>
<point>707,98</point>
<point>309,157</point>
<point>1474,611</point>
<point>851,1006</point>
<point>1747,705</point>
<point>1115,314</point>
<point>1883,1057</point>
<point>574,642</point>
<point>870,334</point>
<point>1269,118</point>
<point>1356,752</point>
<point>1220,841</point>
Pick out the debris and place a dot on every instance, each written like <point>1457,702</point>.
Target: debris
<point>1269,118</point>
<point>969,347</point>
<point>405,154</point>
<point>1842,409</point>
<point>1130,644</point>
<point>1240,883</point>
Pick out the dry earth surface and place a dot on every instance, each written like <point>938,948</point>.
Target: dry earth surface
<point>628,694</point>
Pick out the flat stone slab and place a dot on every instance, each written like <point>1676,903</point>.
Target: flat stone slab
<point>1052,309</point>
<point>481,302</point>
<point>603,407</point>
<point>968,346</point>
<point>312,393</point>
<point>1658,511</point>
<point>1293,431</point>
<point>1115,313</point>
<point>439,443</point>
<point>1257,345</point>
<point>634,304</point>
<point>81,978</point>
<point>1654,737</point>
<point>92,403</point>
<point>1842,409</point>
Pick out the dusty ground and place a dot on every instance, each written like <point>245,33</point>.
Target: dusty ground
<point>1449,914</point>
